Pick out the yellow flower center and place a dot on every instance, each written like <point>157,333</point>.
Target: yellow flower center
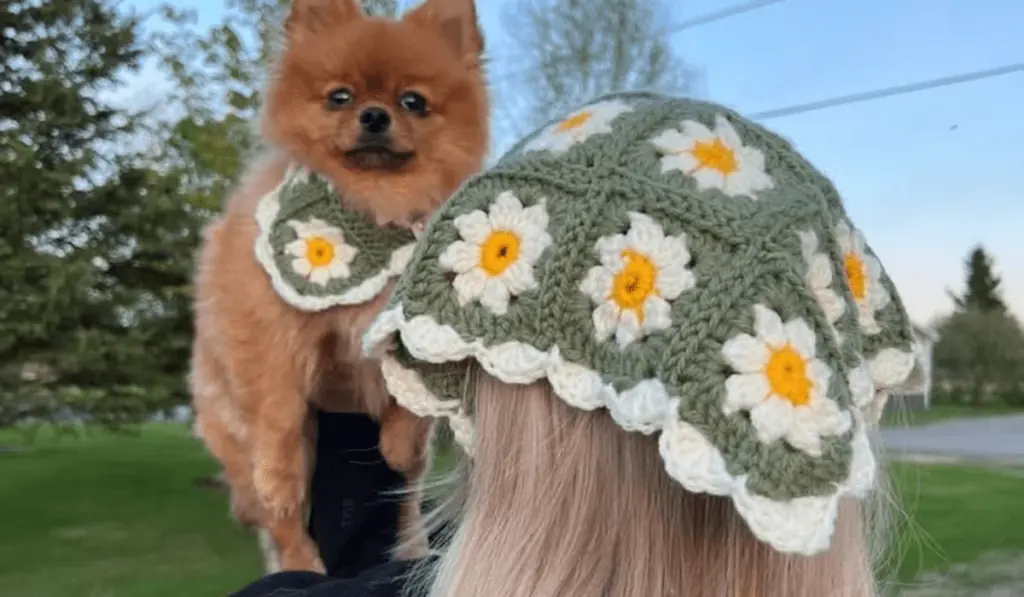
<point>787,375</point>
<point>855,275</point>
<point>574,122</point>
<point>634,283</point>
<point>319,251</point>
<point>498,252</point>
<point>715,155</point>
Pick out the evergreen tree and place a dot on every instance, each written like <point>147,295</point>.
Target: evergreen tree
<point>982,292</point>
<point>85,273</point>
<point>980,352</point>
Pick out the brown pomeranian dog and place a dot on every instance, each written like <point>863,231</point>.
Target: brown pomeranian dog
<point>394,114</point>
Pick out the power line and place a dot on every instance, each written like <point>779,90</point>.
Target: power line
<point>725,13</point>
<point>693,23</point>
<point>890,91</point>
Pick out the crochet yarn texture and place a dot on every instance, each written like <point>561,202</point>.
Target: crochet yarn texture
<point>319,254</point>
<point>684,269</point>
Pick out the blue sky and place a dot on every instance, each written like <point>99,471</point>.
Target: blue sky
<point>926,175</point>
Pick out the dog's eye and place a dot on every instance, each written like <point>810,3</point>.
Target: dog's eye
<point>413,102</point>
<point>339,97</point>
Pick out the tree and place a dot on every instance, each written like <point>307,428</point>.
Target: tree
<point>59,175</point>
<point>569,51</point>
<point>980,355</point>
<point>218,77</point>
<point>980,352</point>
<point>982,290</point>
<point>94,308</point>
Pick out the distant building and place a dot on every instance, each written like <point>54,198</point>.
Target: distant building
<point>918,391</point>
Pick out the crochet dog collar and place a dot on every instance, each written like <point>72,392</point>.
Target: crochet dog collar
<point>319,254</point>
<point>684,269</point>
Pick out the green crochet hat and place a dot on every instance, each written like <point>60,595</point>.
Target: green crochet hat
<point>682,268</point>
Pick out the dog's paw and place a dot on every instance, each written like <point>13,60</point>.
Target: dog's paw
<point>403,452</point>
<point>246,509</point>
<point>302,557</point>
<point>281,492</point>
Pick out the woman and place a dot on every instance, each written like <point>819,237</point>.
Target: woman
<point>663,344</point>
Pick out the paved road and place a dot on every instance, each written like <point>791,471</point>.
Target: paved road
<point>991,438</point>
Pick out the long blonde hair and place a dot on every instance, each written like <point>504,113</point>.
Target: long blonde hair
<point>562,503</point>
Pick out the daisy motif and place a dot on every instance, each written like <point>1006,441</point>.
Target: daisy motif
<point>715,159</point>
<point>640,272</point>
<point>578,127</point>
<point>782,384</point>
<point>495,258</point>
<point>320,253</point>
<point>819,277</point>
<point>863,276</point>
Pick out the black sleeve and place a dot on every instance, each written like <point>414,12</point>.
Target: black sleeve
<point>354,513</point>
<point>353,518</point>
<point>387,580</point>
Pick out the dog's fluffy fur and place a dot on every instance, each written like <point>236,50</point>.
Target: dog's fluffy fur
<point>258,363</point>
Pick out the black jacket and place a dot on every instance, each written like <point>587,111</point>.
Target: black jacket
<point>353,518</point>
<point>385,580</point>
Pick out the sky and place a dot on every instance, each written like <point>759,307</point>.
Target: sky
<point>926,175</point>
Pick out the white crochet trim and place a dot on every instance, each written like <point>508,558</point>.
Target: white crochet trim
<point>266,213</point>
<point>890,369</point>
<point>409,390</point>
<point>801,525</point>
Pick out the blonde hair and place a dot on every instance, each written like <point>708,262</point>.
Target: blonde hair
<point>562,503</point>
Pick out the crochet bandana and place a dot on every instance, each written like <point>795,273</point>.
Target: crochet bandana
<point>687,271</point>
<point>319,254</point>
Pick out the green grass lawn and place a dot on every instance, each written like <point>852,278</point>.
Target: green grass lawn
<point>109,516</point>
<point>954,514</point>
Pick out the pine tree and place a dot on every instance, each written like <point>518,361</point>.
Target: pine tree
<point>982,292</point>
<point>980,352</point>
<point>81,312</point>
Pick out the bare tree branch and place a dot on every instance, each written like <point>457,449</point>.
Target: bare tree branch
<point>568,51</point>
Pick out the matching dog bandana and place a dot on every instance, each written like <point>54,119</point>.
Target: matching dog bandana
<point>319,254</point>
<point>687,271</point>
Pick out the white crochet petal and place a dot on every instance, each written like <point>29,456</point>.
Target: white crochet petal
<point>801,337</point>
<point>769,327</point>
<point>745,353</point>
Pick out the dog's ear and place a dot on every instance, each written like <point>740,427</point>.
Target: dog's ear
<point>311,16</point>
<point>456,20</point>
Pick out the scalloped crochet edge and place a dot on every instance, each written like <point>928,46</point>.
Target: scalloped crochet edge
<point>801,525</point>
<point>266,212</point>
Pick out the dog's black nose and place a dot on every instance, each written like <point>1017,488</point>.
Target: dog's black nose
<point>375,120</point>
